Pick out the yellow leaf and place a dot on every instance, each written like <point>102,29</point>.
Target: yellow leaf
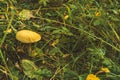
<point>98,14</point>
<point>55,42</point>
<point>106,70</point>
<point>66,17</point>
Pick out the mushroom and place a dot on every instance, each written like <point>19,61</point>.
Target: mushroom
<point>28,37</point>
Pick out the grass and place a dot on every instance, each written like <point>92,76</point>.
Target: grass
<point>79,37</point>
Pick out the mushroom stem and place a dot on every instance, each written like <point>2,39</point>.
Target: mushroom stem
<point>29,49</point>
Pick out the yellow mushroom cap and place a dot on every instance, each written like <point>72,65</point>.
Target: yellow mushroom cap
<point>27,36</point>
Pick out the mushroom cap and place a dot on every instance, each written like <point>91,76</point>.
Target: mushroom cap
<point>27,36</point>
